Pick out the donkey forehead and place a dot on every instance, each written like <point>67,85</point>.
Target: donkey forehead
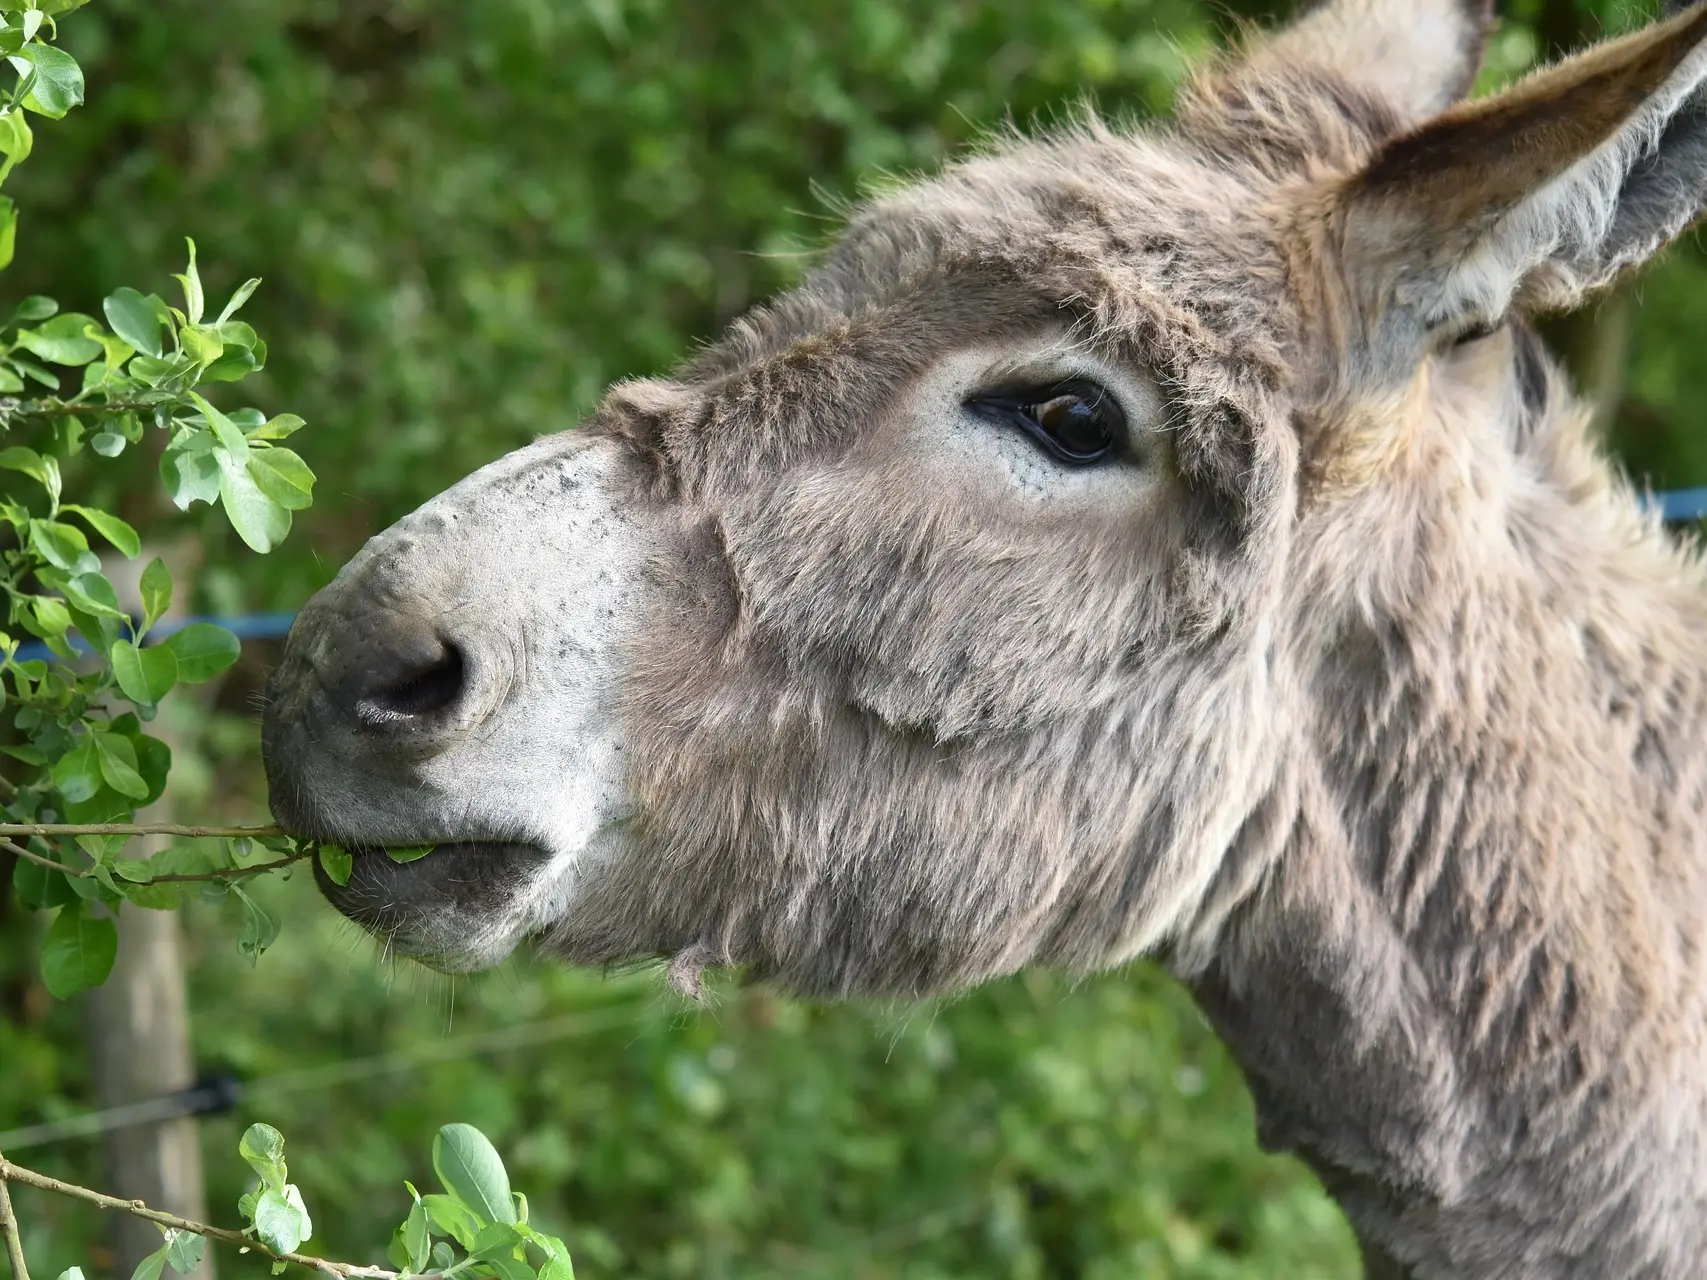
<point>1131,246</point>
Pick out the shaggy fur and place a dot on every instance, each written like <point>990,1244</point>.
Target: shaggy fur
<point>1381,724</point>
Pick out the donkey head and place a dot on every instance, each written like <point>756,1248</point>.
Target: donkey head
<point>960,608</point>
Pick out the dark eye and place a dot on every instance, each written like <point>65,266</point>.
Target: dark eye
<point>1077,422</point>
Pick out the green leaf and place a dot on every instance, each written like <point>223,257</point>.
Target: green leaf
<point>62,340</point>
<point>201,343</point>
<point>225,431</point>
<point>110,527</point>
<point>184,1250</point>
<point>109,444</point>
<point>285,424</point>
<point>557,1264</point>
<point>77,952</point>
<point>153,762</point>
<point>50,615</point>
<point>283,477</point>
<point>336,863</point>
<point>189,476</point>
<point>41,888</point>
<point>238,298</point>
<point>117,757</point>
<point>151,1266</point>
<point>154,373</point>
<point>52,619</point>
<point>410,853</point>
<point>451,1218</point>
<point>8,231</point>
<point>262,1147</point>
<point>509,1267</point>
<point>203,650</point>
<point>496,1240</point>
<point>24,365</point>
<point>470,1169</point>
<point>71,1273</point>
<point>192,285</point>
<point>260,930</point>
<point>156,589</point>
<point>34,308</point>
<point>144,675</point>
<point>258,520</point>
<point>136,319</point>
<point>58,82</point>
<point>16,140</point>
<point>106,806</point>
<point>63,545</point>
<point>281,1220</point>
<point>235,364</point>
<point>417,1240</point>
<point>77,773</point>
<point>92,594</point>
<point>44,471</point>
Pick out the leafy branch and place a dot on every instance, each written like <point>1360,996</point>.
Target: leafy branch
<point>477,1227</point>
<point>228,873</point>
<point>83,673</point>
<point>136,1208</point>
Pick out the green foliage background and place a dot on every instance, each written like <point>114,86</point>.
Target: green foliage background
<point>470,218</point>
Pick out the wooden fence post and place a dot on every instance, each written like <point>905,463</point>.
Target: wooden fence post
<point>138,1025</point>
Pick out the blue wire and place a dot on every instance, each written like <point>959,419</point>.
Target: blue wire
<point>248,626</point>
<point>1680,504</point>
<point>1676,506</point>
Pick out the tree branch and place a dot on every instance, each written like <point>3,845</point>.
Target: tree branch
<point>225,873</point>
<point>229,873</point>
<point>29,1178</point>
<point>10,408</point>
<point>27,856</point>
<point>9,1227</point>
<point>49,830</point>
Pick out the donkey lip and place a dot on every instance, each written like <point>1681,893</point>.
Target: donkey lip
<point>437,851</point>
<point>381,892</point>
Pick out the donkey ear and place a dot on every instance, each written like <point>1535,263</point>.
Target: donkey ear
<point>1418,56</point>
<point>1339,79</point>
<point>1535,196</point>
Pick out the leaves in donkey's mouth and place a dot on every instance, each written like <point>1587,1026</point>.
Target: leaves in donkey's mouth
<point>411,853</point>
<point>336,862</point>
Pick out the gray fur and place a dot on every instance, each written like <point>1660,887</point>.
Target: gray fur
<point>1362,691</point>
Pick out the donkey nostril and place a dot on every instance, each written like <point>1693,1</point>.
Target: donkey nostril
<point>420,691</point>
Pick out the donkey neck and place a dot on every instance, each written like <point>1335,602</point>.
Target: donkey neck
<point>1471,992</point>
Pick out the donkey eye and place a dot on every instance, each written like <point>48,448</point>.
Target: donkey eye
<point>1077,422</point>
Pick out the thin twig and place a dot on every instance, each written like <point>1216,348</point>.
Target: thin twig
<point>136,1208</point>
<point>50,409</point>
<point>27,856</point>
<point>49,830</point>
<point>230,873</point>
<point>9,1227</point>
<point>225,873</point>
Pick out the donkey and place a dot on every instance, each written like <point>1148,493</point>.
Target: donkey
<point>1160,541</point>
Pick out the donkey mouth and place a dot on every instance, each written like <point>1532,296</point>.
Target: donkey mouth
<point>453,908</point>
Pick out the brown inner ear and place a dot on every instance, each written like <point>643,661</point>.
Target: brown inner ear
<point>1478,159</point>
